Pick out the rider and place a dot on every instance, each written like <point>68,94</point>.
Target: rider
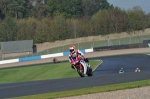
<point>73,53</point>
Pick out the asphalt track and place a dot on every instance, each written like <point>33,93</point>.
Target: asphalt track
<point>105,74</point>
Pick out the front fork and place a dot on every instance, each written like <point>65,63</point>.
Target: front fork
<point>78,67</point>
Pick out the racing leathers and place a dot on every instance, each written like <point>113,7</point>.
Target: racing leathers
<point>77,53</point>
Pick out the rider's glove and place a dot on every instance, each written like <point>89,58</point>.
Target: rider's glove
<point>81,57</point>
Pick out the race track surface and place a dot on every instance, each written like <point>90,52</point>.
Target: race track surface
<point>105,74</point>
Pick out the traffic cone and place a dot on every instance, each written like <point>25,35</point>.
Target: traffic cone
<point>137,70</point>
<point>121,71</point>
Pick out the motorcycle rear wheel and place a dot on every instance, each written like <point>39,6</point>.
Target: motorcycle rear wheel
<point>81,72</point>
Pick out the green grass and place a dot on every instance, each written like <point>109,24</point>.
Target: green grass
<point>40,72</point>
<point>91,90</point>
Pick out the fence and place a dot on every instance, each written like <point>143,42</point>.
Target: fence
<point>84,43</point>
<point>117,47</point>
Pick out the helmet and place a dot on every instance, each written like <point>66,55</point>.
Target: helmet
<point>72,49</point>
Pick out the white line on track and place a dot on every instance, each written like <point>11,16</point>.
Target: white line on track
<point>98,65</point>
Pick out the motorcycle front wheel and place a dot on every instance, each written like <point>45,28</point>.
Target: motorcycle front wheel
<point>90,72</point>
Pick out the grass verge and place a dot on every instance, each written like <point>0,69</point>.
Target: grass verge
<point>91,90</point>
<point>40,72</point>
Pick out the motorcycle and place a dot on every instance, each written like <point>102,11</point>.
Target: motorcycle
<point>55,60</point>
<point>82,67</point>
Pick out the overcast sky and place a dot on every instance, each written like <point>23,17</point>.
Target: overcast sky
<point>129,4</point>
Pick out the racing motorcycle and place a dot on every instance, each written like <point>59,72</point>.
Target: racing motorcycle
<point>82,67</point>
<point>55,60</point>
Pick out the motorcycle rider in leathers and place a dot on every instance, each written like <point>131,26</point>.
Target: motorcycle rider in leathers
<point>74,53</point>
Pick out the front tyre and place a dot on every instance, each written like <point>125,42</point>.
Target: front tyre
<point>90,72</point>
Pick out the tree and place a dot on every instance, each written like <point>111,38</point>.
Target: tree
<point>37,9</point>
<point>90,7</point>
<point>8,29</point>
<point>27,28</point>
<point>14,8</point>
<point>100,22</point>
<point>58,28</point>
<point>1,15</point>
<point>67,8</point>
<point>148,15</point>
<point>137,20</point>
<point>3,7</point>
<point>41,31</point>
<point>117,20</point>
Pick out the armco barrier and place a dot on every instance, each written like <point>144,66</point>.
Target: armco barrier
<point>41,57</point>
<point>65,53</point>
<point>29,58</point>
<point>83,51</point>
<point>89,50</point>
<point>51,55</point>
<point>9,61</point>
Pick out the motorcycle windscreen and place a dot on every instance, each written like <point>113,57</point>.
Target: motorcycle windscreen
<point>74,59</point>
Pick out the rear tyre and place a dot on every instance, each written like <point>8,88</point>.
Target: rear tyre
<point>80,72</point>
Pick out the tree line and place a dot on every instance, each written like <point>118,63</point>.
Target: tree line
<point>51,20</point>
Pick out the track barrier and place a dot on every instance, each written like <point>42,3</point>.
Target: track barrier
<point>41,57</point>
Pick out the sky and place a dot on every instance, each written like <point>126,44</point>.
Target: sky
<point>129,4</point>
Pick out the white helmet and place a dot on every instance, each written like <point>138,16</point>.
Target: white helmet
<point>72,49</point>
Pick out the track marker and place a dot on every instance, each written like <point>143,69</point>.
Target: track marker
<point>137,70</point>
